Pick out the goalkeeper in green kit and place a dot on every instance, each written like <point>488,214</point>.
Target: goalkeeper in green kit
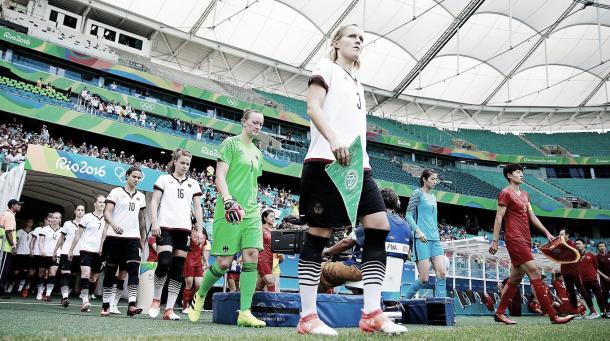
<point>237,222</point>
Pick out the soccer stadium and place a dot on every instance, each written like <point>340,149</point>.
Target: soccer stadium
<point>274,169</point>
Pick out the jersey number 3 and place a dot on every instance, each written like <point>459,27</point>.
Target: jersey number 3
<point>359,104</point>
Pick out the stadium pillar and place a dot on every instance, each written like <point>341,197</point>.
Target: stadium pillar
<point>101,82</point>
<point>484,276</point>
<point>469,272</point>
<point>453,266</point>
<point>179,103</point>
<point>592,173</point>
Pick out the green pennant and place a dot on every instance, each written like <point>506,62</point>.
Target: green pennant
<point>348,179</point>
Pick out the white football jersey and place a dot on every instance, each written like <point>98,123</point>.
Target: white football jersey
<point>91,240</point>
<point>176,202</point>
<point>126,211</point>
<point>35,233</point>
<point>69,231</point>
<point>344,109</point>
<point>51,236</point>
<point>23,242</point>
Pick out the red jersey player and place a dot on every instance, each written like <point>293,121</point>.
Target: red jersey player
<point>587,267</point>
<point>603,263</point>
<point>515,211</point>
<point>193,270</point>
<point>565,306</point>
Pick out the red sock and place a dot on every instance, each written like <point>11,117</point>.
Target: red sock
<point>271,288</point>
<point>186,297</point>
<point>543,298</point>
<point>507,297</point>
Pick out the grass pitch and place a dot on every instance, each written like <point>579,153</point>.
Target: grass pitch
<point>28,319</point>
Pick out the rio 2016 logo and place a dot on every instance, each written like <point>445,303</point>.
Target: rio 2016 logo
<point>213,153</point>
<point>119,172</point>
<point>80,167</point>
<point>147,106</point>
<point>351,179</point>
<point>16,38</point>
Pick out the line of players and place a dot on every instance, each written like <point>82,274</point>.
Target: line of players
<point>109,239</point>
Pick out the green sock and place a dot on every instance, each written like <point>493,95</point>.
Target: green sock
<point>247,284</point>
<point>211,276</point>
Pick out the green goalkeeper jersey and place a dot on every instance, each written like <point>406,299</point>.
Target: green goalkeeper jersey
<point>245,162</point>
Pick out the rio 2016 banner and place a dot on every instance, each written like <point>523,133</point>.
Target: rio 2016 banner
<point>71,165</point>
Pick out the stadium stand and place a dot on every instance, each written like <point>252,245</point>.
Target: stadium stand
<point>497,180</point>
<point>497,143</point>
<point>595,191</point>
<point>285,102</point>
<point>590,143</point>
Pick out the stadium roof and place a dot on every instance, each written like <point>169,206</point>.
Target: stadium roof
<point>517,65</point>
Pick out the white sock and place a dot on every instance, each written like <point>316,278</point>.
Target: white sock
<point>172,293</point>
<point>372,298</point>
<point>309,295</point>
<point>65,291</point>
<point>159,284</point>
<point>373,273</point>
<point>21,284</point>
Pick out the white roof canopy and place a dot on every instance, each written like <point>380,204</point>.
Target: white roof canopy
<point>481,57</point>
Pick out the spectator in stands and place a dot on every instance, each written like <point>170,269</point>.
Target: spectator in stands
<point>175,124</point>
<point>44,134</point>
<point>143,119</point>
<point>113,86</point>
<point>39,83</point>
<point>199,132</point>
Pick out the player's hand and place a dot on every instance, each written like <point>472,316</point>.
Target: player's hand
<point>340,151</point>
<point>54,258</point>
<point>70,256</point>
<point>419,235</point>
<point>117,229</point>
<point>13,249</point>
<point>155,230</point>
<point>494,247</point>
<point>550,237</point>
<point>198,236</point>
<point>234,213</point>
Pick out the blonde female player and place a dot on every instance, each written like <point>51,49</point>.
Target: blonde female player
<point>173,199</point>
<point>237,223</point>
<point>67,266</point>
<point>89,240</point>
<point>336,106</point>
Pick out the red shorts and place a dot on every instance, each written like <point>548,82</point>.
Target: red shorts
<point>192,269</point>
<point>519,252</point>
<point>265,266</point>
<point>233,275</point>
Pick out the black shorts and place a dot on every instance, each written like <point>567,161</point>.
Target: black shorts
<point>178,239</point>
<point>21,262</point>
<point>75,269</point>
<point>64,263</point>
<point>92,260</point>
<point>47,262</point>
<point>320,204</point>
<point>118,250</point>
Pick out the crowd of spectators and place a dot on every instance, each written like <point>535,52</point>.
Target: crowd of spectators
<point>14,140</point>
